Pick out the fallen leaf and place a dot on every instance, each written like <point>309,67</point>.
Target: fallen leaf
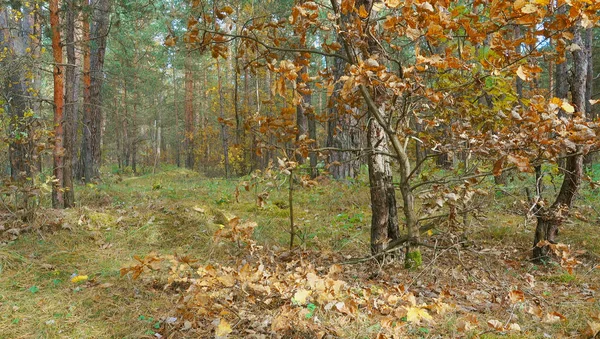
<point>300,296</point>
<point>553,317</point>
<point>516,296</point>
<point>529,8</point>
<point>79,278</point>
<point>514,327</point>
<point>415,314</point>
<point>223,329</point>
<point>567,107</point>
<point>495,324</point>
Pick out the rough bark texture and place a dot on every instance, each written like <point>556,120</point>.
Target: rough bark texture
<point>70,100</point>
<point>550,219</point>
<point>384,220</point>
<point>189,112</point>
<point>20,146</point>
<point>224,128</point>
<point>342,132</point>
<point>301,120</point>
<point>84,153</point>
<point>58,73</point>
<point>92,120</point>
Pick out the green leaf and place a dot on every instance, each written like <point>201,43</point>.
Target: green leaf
<point>34,289</point>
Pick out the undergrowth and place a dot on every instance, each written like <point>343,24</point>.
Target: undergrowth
<point>65,280</point>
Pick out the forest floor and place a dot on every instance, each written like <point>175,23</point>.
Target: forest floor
<point>62,279</point>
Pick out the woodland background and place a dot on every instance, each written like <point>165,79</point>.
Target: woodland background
<point>260,168</point>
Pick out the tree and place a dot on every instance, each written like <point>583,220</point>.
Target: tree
<point>92,114</point>
<point>58,200</point>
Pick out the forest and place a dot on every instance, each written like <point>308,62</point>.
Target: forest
<point>299,169</point>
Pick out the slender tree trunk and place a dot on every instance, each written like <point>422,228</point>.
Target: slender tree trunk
<point>236,108</point>
<point>301,116</point>
<point>176,108</point>
<point>58,153</point>
<point>189,112</point>
<point>92,134</point>
<point>224,129</point>
<point>340,132</point>
<point>550,219</point>
<point>20,147</point>
<point>85,154</point>
<point>125,126</point>
<point>135,137</point>
<point>70,100</point>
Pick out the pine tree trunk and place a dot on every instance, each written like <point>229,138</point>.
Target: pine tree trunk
<point>189,113</point>
<point>224,129</point>
<point>58,152</point>
<point>70,100</point>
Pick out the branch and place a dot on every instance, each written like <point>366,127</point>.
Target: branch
<point>280,49</point>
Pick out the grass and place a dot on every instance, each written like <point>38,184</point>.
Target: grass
<point>173,211</point>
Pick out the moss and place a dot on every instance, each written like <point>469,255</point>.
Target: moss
<point>413,259</point>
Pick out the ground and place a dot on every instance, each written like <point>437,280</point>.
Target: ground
<point>63,278</point>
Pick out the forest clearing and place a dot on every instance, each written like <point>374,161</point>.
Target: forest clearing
<point>299,169</point>
<point>460,291</point>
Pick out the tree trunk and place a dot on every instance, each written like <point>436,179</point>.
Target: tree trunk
<point>85,152</point>
<point>341,132</point>
<point>550,219</point>
<point>384,220</point>
<point>70,100</point>
<point>189,112</point>
<point>58,152</point>
<point>224,129</point>
<point>176,109</point>
<point>92,120</point>
<point>301,119</point>
<point>20,146</point>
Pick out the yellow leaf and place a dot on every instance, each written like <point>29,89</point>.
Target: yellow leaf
<point>567,107</point>
<point>427,6</point>
<point>495,324</point>
<point>416,314</point>
<point>514,327</point>
<point>223,329</point>
<point>521,73</point>
<point>413,33</point>
<point>362,11</point>
<point>392,3</point>
<point>79,278</point>
<point>542,2</point>
<point>300,296</point>
<point>529,8</point>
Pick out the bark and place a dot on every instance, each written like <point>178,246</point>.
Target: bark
<point>341,131</point>
<point>85,155</point>
<point>20,146</point>
<point>384,220</point>
<point>176,108</point>
<point>224,128</point>
<point>70,100</point>
<point>189,112</point>
<point>549,220</point>
<point>92,129</point>
<point>125,126</point>
<point>58,73</point>
<point>301,119</point>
